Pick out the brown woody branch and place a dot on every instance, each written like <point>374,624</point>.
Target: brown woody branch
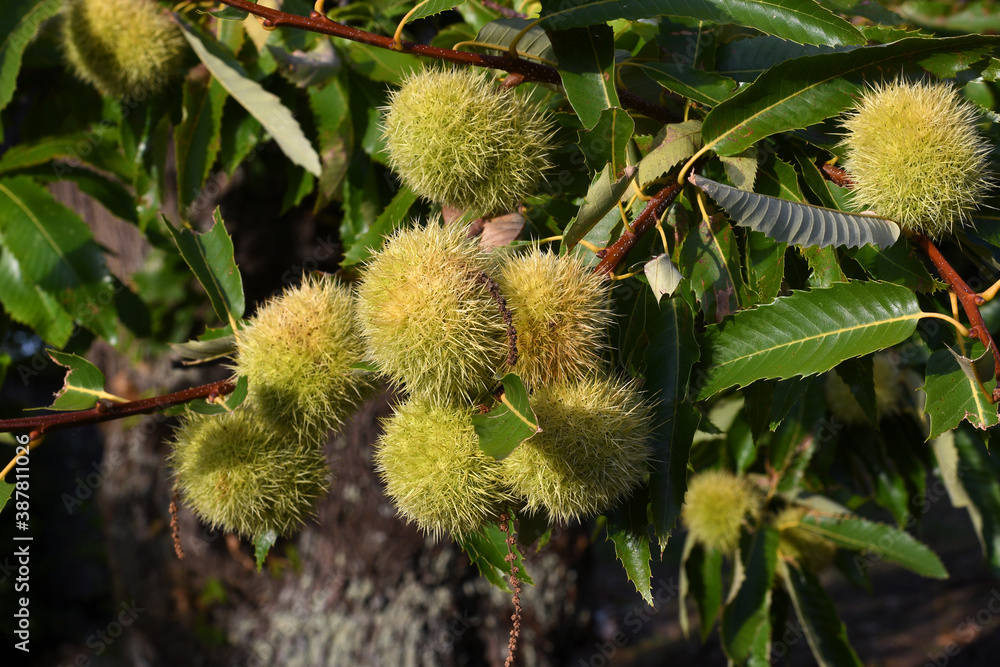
<point>969,299</point>
<point>105,411</point>
<point>613,254</point>
<point>316,22</point>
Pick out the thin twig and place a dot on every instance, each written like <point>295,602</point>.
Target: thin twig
<point>967,297</point>
<point>103,411</point>
<point>515,584</point>
<point>484,279</point>
<point>614,253</point>
<point>316,22</point>
<point>175,525</point>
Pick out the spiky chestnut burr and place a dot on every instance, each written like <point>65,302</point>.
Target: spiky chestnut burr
<point>916,156</point>
<point>124,48</point>
<point>888,392</point>
<point>809,550</point>
<point>296,354</point>
<point>560,314</point>
<point>429,459</point>
<point>459,140</point>
<point>715,507</point>
<point>592,450</point>
<point>429,323</point>
<point>237,472</point>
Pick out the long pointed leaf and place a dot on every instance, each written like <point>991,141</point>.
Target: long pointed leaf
<point>801,92</point>
<point>797,223</point>
<point>798,20</point>
<point>210,256</point>
<point>880,541</point>
<point>806,333</point>
<point>586,65</point>
<point>19,22</point>
<point>748,609</point>
<point>276,118</point>
<point>823,629</point>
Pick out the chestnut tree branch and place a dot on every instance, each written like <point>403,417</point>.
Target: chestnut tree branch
<point>103,411</point>
<point>316,22</point>
<point>615,253</point>
<point>967,297</point>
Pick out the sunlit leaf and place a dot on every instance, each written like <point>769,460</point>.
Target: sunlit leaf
<point>509,423</point>
<point>806,333</point>
<point>266,107</point>
<point>953,395</point>
<point>82,386</point>
<point>210,256</point>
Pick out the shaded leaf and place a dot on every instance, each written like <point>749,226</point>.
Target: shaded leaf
<point>953,396</point>
<point>503,31</point>
<point>748,609</point>
<point>677,143</point>
<point>711,262</point>
<point>797,20</point>
<point>198,137</point>
<point>391,217</point>
<point>5,492</point>
<point>898,264</point>
<point>602,197</point>
<point>797,223</point>
<point>979,474</point>
<point>741,169</point>
<point>825,266</point>
<point>262,545</point>
<point>878,540</point>
<point>509,423</point>
<point>210,256</point>
<point>701,570</point>
<point>804,91</point>
<point>586,64</point>
<point>276,118</point>
<point>825,632</point>
<point>487,549</point>
<point>806,333</point>
<point>746,59</point>
<point>671,353</point>
<point>19,21</point>
<point>608,139</point>
<point>82,386</point>
<point>704,87</point>
<point>70,152</point>
<point>627,530</point>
